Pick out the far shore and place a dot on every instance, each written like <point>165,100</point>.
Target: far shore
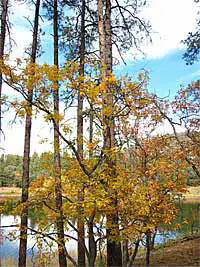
<point>192,194</point>
<point>10,193</point>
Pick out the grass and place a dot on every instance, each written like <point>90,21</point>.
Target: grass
<point>10,193</point>
<point>193,191</point>
<point>13,262</point>
<point>192,194</point>
<point>10,190</point>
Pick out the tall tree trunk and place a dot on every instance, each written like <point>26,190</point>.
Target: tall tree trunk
<point>101,35</point>
<point>4,12</point>
<point>26,157</point>
<point>114,255</point>
<point>92,245</point>
<point>80,223</point>
<point>57,162</point>
<point>91,121</point>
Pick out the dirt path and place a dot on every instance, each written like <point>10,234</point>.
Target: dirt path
<point>182,253</point>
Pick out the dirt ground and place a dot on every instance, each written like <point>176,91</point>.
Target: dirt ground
<point>182,253</point>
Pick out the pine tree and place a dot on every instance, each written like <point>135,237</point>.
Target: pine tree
<point>27,144</point>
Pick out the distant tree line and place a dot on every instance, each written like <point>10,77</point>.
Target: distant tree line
<point>11,168</point>
<point>40,164</point>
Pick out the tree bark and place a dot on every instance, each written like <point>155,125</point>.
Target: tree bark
<point>114,256</point>
<point>26,157</point>
<point>91,121</point>
<point>4,12</point>
<point>91,240</point>
<point>80,222</point>
<point>57,162</point>
<point>101,35</point>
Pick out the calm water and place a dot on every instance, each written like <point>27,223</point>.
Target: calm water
<point>188,218</point>
<point>9,241</point>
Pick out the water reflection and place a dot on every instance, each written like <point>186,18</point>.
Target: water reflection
<point>9,241</point>
<point>188,218</point>
<point>190,214</point>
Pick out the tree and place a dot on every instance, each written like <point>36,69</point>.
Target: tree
<point>185,114</point>
<point>10,170</point>
<point>149,169</point>
<point>4,13</point>
<point>80,222</point>
<point>192,43</point>
<point>114,257</point>
<point>27,140</point>
<point>57,162</point>
<point>119,178</point>
<point>72,30</point>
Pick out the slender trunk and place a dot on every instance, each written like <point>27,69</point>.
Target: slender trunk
<point>114,256</point>
<point>108,37</point>
<point>101,35</point>
<point>91,121</point>
<point>81,231</point>
<point>26,157</point>
<point>57,163</point>
<point>4,11</point>
<point>91,240</point>
<point>132,257</point>
<point>153,238</point>
<point>80,223</point>
<point>148,247</point>
<point>92,243</point>
<point>125,257</point>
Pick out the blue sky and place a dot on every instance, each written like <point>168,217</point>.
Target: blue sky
<point>166,73</point>
<point>171,20</point>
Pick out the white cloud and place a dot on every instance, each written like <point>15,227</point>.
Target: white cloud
<point>22,38</point>
<point>171,21</point>
<point>13,142</point>
<point>21,9</point>
<point>194,74</point>
<point>20,30</point>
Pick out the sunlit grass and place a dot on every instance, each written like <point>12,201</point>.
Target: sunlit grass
<point>193,192</point>
<point>10,191</point>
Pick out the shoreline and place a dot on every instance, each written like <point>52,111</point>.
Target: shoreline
<point>192,194</point>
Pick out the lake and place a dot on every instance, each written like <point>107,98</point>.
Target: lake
<point>188,218</point>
